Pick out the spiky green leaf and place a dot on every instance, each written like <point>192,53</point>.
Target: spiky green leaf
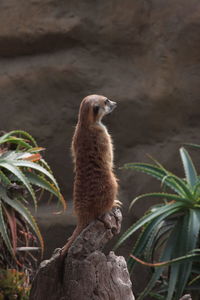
<point>174,207</point>
<point>166,177</point>
<point>25,213</point>
<point>4,179</point>
<point>190,171</point>
<point>171,197</point>
<point>17,141</point>
<point>146,234</point>
<point>41,182</point>
<point>165,256</point>
<point>21,133</point>
<point>3,230</point>
<point>37,167</point>
<point>17,172</point>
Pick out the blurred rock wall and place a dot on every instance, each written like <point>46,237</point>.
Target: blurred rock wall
<point>144,54</point>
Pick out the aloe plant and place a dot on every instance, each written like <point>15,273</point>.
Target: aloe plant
<point>169,240</point>
<point>23,173</point>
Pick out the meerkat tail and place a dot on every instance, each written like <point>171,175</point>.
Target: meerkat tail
<point>72,238</point>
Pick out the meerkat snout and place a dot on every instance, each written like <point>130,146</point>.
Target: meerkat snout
<point>108,107</point>
<point>111,105</point>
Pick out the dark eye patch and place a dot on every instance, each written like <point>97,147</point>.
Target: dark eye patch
<point>106,101</point>
<point>96,109</point>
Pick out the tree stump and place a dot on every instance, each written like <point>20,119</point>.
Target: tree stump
<point>86,273</point>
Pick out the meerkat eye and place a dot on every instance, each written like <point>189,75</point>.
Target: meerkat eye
<point>96,109</point>
<point>106,101</point>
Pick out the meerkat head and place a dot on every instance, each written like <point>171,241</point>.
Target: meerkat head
<point>94,107</point>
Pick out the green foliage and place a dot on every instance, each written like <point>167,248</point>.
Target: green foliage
<point>23,174</point>
<point>14,285</point>
<point>169,231</point>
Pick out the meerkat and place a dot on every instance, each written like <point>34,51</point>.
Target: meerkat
<point>95,184</point>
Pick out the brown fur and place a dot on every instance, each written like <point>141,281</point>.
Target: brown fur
<point>95,185</point>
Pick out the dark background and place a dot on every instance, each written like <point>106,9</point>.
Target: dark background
<point>143,54</point>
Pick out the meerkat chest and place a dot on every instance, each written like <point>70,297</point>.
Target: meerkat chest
<point>104,139</point>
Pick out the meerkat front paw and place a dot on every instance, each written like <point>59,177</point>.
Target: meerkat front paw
<point>117,203</point>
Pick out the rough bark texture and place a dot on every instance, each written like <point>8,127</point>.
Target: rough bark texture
<point>86,273</point>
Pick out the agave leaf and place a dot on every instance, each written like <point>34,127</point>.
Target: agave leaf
<point>174,272</point>
<point>4,232</point>
<point>18,132</point>
<point>192,145</point>
<point>184,267</point>
<point>37,149</point>
<point>12,155</point>
<point>188,257</point>
<point>25,213</point>
<point>32,157</point>
<point>165,256</point>
<point>193,227</point>
<point>162,235</point>
<point>157,295</point>
<point>45,184</point>
<point>175,256</point>
<point>179,274</point>
<point>17,155</point>
<point>4,179</point>
<point>145,236</point>
<point>157,163</point>
<point>152,282</point>
<point>13,227</point>
<point>194,279</point>
<point>41,182</point>
<point>180,184</point>
<point>158,173</point>
<point>196,191</point>
<point>174,207</point>
<point>37,167</point>
<point>172,197</point>
<point>169,250</point>
<point>141,242</point>
<point>149,169</point>
<point>190,171</point>
<point>18,141</point>
<point>17,172</point>
<point>188,238</point>
<point>157,238</point>
<point>45,165</point>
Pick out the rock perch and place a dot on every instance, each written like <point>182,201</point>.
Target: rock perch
<point>86,273</point>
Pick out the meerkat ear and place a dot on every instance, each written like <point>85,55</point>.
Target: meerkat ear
<point>96,109</point>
